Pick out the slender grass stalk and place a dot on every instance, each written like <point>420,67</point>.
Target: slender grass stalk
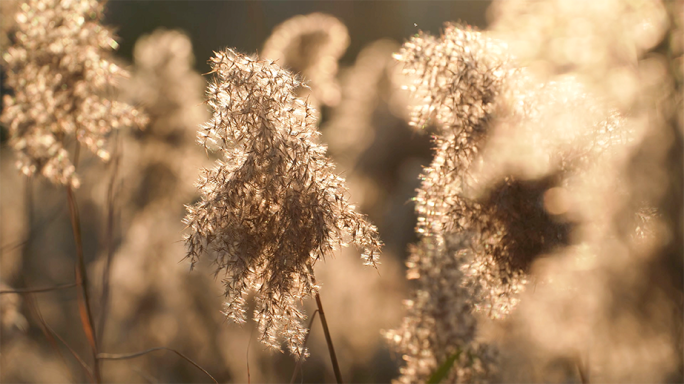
<point>124,356</point>
<point>109,241</point>
<point>300,360</point>
<point>328,340</point>
<point>91,373</point>
<point>33,230</point>
<point>584,378</point>
<point>443,370</point>
<point>81,275</point>
<point>31,304</point>
<point>249,375</point>
<point>29,209</point>
<point>38,290</point>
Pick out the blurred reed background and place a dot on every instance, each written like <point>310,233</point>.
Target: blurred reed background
<point>565,189</point>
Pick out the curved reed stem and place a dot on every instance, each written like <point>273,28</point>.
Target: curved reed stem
<point>124,356</point>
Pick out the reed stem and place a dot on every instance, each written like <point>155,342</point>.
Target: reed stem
<point>82,281</point>
<point>328,339</point>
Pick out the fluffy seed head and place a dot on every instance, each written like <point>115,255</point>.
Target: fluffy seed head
<point>272,206</point>
<point>60,74</point>
<point>454,78</point>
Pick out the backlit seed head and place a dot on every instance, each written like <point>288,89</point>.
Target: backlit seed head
<point>272,206</point>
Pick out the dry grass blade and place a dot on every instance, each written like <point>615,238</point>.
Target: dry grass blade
<point>124,356</point>
<point>89,371</point>
<point>32,305</point>
<point>38,290</point>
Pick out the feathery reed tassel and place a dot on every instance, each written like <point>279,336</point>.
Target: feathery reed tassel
<point>504,195</point>
<point>60,73</point>
<point>273,206</point>
<point>455,80</point>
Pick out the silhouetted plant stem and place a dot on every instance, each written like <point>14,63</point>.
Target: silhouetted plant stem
<point>31,304</point>
<point>87,369</point>
<point>583,372</point>
<point>32,229</point>
<point>124,356</point>
<point>38,290</point>
<point>81,275</point>
<point>300,360</point>
<point>29,206</point>
<point>109,241</point>
<point>328,339</point>
<point>82,281</point>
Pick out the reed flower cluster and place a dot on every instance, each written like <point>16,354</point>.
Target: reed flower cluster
<point>61,75</point>
<point>455,80</point>
<point>495,198</point>
<point>272,206</point>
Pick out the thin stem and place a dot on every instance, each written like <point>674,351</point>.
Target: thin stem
<point>33,305</point>
<point>109,244</point>
<point>33,230</point>
<point>82,280</point>
<point>38,290</point>
<point>124,356</point>
<point>301,358</point>
<point>29,206</point>
<point>328,339</point>
<point>249,376</point>
<point>583,376</point>
<point>76,356</point>
<point>13,246</point>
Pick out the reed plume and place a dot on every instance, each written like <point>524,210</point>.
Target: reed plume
<point>60,72</point>
<point>454,80</point>
<point>272,206</point>
<point>483,222</point>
